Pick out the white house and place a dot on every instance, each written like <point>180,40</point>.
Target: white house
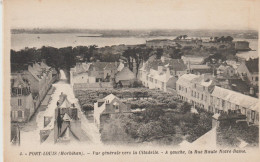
<point>108,106</point>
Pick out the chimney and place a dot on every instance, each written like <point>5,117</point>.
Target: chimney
<point>251,92</point>
<point>168,73</point>
<point>163,59</point>
<point>160,69</point>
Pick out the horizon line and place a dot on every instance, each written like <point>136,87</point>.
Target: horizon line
<point>68,28</point>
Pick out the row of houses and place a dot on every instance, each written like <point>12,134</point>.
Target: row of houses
<point>201,91</point>
<point>28,89</point>
<point>99,75</point>
<point>163,73</point>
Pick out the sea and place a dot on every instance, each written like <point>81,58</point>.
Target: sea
<point>20,41</point>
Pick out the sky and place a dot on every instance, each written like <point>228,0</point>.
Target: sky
<point>133,14</point>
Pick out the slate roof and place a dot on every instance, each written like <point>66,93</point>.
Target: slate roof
<point>125,74</point>
<point>111,66</point>
<point>99,66</point>
<point>19,81</point>
<point>173,64</point>
<point>186,79</point>
<point>110,97</point>
<point>252,65</point>
<point>236,98</point>
<point>172,82</point>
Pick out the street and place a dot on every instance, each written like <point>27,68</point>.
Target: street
<point>30,132</point>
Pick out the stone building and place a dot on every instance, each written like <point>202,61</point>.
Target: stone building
<point>195,89</point>
<point>22,104</point>
<point>225,100</point>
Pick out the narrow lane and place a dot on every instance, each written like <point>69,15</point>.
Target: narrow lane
<point>62,86</point>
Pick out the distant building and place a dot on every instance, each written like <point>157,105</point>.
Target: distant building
<point>160,43</point>
<point>226,71</point>
<point>79,74</point>
<point>199,69</point>
<point>249,71</point>
<point>193,59</point>
<point>242,46</point>
<point>96,74</point>
<point>155,74</point>
<point>108,107</point>
<point>22,104</point>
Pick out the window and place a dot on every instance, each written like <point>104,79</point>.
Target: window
<point>186,90</point>
<point>19,91</point>
<point>155,81</point>
<point>20,114</point>
<point>256,78</point>
<point>195,85</point>
<point>13,114</point>
<point>244,111</point>
<point>201,96</point>
<point>198,96</point>
<point>237,107</point>
<point>211,99</point>
<point>192,93</point>
<point>203,88</point>
<point>253,115</point>
<point>205,98</point>
<point>179,87</point>
<point>19,102</point>
<point>223,103</point>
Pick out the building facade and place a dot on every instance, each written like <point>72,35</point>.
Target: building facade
<point>28,90</point>
<point>201,91</point>
<point>195,89</point>
<point>22,105</point>
<point>157,73</point>
<point>224,100</point>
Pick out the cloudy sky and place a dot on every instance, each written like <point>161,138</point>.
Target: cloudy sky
<point>133,14</point>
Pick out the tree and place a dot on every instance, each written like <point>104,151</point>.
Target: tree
<point>159,53</point>
<point>229,39</point>
<point>184,36</point>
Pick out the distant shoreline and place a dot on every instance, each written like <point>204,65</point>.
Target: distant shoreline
<point>89,36</point>
<point>247,34</point>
